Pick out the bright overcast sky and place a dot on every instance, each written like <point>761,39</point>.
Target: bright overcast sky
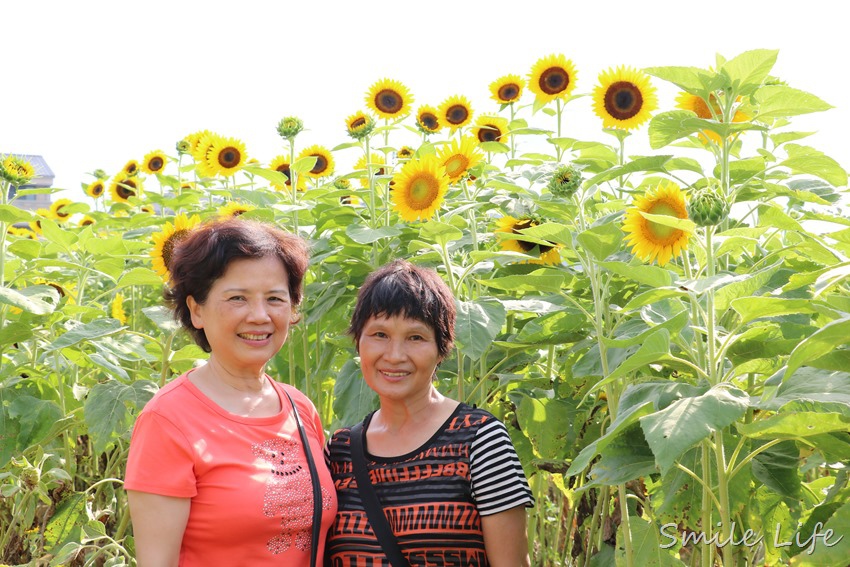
<point>94,84</point>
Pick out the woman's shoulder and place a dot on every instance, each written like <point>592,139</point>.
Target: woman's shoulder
<point>171,396</point>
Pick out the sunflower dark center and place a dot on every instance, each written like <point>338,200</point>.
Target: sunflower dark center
<point>155,164</point>
<point>321,165</point>
<point>428,120</point>
<point>126,188</point>
<point>284,169</point>
<point>554,80</point>
<point>508,92</point>
<point>87,222</point>
<point>168,246</point>
<point>457,114</point>
<point>358,122</point>
<point>229,157</point>
<point>60,212</point>
<point>131,168</point>
<point>524,244</point>
<point>623,100</point>
<point>96,190</point>
<point>389,101</point>
<point>489,133</point>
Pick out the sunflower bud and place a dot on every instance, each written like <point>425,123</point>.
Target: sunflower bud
<point>565,181</point>
<point>100,174</point>
<point>359,125</point>
<point>342,184</point>
<point>183,147</point>
<point>289,127</point>
<point>16,171</point>
<point>708,207</point>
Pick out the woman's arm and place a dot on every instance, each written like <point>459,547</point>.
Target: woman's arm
<point>158,526</point>
<point>506,538</point>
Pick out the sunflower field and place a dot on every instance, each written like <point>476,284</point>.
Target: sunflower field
<point>666,335</point>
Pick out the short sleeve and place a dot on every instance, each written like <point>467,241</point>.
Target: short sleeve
<point>498,481</point>
<point>161,459</point>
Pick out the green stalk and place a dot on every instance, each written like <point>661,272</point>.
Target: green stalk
<point>707,554</point>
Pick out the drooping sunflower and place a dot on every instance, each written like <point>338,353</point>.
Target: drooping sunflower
<point>224,156</point>
<point>130,168</point>
<point>456,112</point>
<point>552,77</point>
<point>86,221</point>
<point>197,147</point>
<point>324,161</point>
<point>507,89</point>
<point>650,240</point>
<point>419,188</point>
<point>154,162</point>
<point>624,98</point>
<point>281,165</point>
<point>123,187</point>
<point>545,254</point>
<point>165,241</point>
<point>58,211</point>
<point>699,106</point>
<point>376,163</point>
<point>389,98</point>
<point>117,308</point>
<point>232,209</point>
<point>428,120</point>
<point>490,129</point>
<point>459,157</point>
<point>95,189</point>
<point>16,170</point>
<point>359,125</point>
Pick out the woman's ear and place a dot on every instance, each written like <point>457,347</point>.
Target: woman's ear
<point>295,317</point>
<point>195,312</point>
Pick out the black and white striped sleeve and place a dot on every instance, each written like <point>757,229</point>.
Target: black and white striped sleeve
<point>498,481</point>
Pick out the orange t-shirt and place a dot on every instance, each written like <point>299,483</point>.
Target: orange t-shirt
<point>252,497</point>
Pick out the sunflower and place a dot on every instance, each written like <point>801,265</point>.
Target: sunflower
<point>130,168</point>
<point>507,89</point>
<point>459,157</point>
<point>699,106</point>
<point>456,111</point>
<point>405,152</point>
<point>376,163</point>
<point>427,120</point>
<point>352,200</point>
<point>281,164</point>
<point>199,142</point>
<point>324,161</point>
<point>124,187</point>
<point>86,221</point>
<point>65,290</point>
<point>419,188</point>
<point>16,170</point>
<point>389,99</point>
<point>232,209</point>
<point>552,77</point>
<point>57,210</point>
<point>224,156</point>
<point>624,98</point>
<point>147,209</point>
<point>35,225</point>
<point>511,225</point>
<point>118,308</point>
<point>359,125</point>
<point>95,189</point>
<point>165,241</point>
<point>650,240</point>
<point>490,128</point>
<point>154,162</point>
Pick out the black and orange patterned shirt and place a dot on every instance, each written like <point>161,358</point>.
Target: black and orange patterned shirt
<point>433,497</point>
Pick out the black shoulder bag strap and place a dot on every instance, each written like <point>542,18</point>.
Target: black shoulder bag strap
<point>374,511</point>
<point>314,477</point>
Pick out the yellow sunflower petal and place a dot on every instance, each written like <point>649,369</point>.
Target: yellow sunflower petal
<point>164,242</point>
<point>650,240</point>
<point>233,209</point>
<point>419,188</point>
<point>624,98</point>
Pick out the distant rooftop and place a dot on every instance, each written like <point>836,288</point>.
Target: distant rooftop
<point>43,174</point>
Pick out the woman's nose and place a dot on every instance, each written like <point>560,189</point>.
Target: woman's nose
<point>258,312</point>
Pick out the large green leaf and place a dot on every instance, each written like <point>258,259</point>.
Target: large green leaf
<point>478,323</point>
<point>353,399</point>
<point>626,457</point>
<point>831,551</point>
<point>652,276</point>
<point>635,331</point>
<point>793,424</point>
<point>656,347</point>
<point>809,384</point>
<point>139,276</point>
<point>548,422</point>
<point>751,308</point>
<point>780,101</point>
<point>825,339</point>
<point>85,332</point>
<point>38,299</point>
<point>439,232</point>
<point>648,547</point>
<point>106,409</point>
<point>689,79</point>
<point>748,70</point>
<point>778,468</point>
<point>65,525</point>
<point>601,240</point>
<point>675,429</point>
<point>539,281</point>
<point>365,235</point>
<point>803,159</point>
<point>35,419</point>
<point>565,326</point>
<point>743,286</point>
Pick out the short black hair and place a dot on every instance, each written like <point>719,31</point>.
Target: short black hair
<point>401,288</point>
<point>203,256</point>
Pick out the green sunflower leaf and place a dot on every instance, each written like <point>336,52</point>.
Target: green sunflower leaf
<point>478,323</point>
<point>776,101</point>
<point>803,159</point>
<point>748,70</point>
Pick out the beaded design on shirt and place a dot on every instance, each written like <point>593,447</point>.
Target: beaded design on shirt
<point>289,494</point>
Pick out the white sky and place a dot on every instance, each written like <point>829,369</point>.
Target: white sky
<point>93,84</point>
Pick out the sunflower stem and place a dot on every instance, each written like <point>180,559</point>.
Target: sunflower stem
<point>559,152</point>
